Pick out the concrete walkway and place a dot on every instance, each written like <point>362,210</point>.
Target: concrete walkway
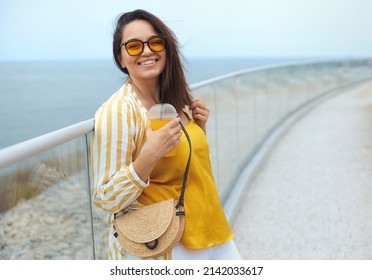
<point>313,196</point>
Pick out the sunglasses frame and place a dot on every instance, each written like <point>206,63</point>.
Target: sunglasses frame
<point>143,44</point>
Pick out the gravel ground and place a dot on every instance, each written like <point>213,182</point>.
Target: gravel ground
<point>52,225</point>
<point>313,197</point>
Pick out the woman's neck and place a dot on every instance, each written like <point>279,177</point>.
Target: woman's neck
<point>147,91</point>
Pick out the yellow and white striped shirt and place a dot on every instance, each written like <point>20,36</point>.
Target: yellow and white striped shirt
<point>119,135</point>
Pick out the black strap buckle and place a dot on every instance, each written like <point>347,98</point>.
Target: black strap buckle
<point>153,246</point>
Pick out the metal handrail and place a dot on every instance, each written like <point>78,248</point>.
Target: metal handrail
<point>37,145</point>
<point>266,67</point>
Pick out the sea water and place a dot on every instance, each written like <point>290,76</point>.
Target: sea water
<point>40,97</point>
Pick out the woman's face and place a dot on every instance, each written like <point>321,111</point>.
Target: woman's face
<point>148,65</point>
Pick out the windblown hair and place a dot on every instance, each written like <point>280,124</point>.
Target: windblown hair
<point>173,86</point>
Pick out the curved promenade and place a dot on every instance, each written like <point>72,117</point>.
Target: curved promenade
<point>312,198</point>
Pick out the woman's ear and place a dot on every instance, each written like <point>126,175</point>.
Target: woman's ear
<point>122,64</point>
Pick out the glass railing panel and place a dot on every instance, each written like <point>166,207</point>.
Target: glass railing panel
<point>260,102</point>
<point>345,76</point>
<point>100,220</point>
<point>246,117</point>
<point>100,232</point>
<point>277,96</point>
<point>350,72</point>
<point>280,88</point>
<point>313,85</point>
<point>208,94</point>
<point>283,87</point>
<point>334,75</point>
<point>270,95</point>
<point>227,129</point>
<point>364,70</point>
<point>294,87</point>
<point>317,80</point>
<point>45,206</point>
<point>305,82</point>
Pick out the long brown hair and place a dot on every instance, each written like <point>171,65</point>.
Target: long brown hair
<point>173,86</point>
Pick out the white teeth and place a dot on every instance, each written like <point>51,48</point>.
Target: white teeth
<point>148,62</point>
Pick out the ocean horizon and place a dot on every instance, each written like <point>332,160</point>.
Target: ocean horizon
<point>38,97</point>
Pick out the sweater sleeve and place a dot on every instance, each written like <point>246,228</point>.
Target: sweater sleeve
<point>116,183</point>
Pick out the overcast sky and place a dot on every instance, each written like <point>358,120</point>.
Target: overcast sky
<point>82,29</point>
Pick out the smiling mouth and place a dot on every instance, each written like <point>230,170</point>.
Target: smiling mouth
<point>148,62</point>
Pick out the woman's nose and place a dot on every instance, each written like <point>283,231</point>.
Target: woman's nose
<point>146,49</point>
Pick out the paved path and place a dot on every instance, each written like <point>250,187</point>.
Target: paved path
<point>313,197</point>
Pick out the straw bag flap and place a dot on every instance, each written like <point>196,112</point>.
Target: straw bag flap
<point>148,223</point>
<point>151,231</point>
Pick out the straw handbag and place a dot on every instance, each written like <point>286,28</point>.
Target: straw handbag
<point>155,229</point>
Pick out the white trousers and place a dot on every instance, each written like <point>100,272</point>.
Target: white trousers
<point>225,251</point>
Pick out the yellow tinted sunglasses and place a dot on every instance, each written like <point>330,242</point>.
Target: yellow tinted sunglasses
<point>135,47</point>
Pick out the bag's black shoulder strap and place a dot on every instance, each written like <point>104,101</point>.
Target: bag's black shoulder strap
<point>181,199</point>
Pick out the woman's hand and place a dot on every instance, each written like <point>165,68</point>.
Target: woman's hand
<point>158,143</point>
<point>200,113</point>
<point>163,140</point>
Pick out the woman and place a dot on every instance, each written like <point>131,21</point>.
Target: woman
<point>127,156</point>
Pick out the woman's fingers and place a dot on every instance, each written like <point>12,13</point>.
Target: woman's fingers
<point>165,138</point>
<point>200,112</point>
<point>173,123</point>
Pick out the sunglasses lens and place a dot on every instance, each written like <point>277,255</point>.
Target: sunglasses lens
<point>134,47</point>
<point>156,44</point>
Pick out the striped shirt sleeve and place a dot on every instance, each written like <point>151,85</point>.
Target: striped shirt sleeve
<point>116,184</point>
